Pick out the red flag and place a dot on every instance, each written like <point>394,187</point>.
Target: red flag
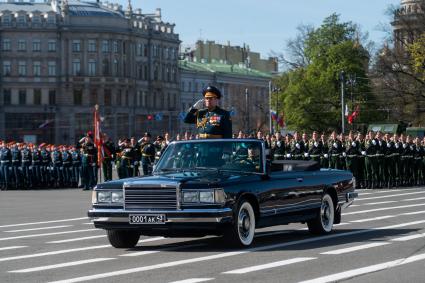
<point>353,115</point>
<point>97,136</point>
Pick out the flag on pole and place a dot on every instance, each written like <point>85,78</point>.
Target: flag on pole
<point>353,115</point>
<point>347,112</point>
<point>97,135</point>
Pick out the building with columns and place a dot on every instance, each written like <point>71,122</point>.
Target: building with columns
<point>60,58</point>
<point>409,22</point>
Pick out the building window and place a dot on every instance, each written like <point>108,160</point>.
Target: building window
<point>93,96</point>
<point>92,67</point>
<point>166,52</point>
<point>76,46</point>
<point>36,45</point>
<point>144,98</point>
<point>139,49</point>
<point>22,68</point>
<point>36,68</point>
<point>35,19</point>
<point>7,96</point>
<point>51,18</point>
<point>119,98</point>
<point>145,51</point>
<point>76,67</point>
<point>7,68</point>
<point>51,68</point>
<point>105,67</point>
<point>22,45</point>
<point>78,97</point>
<point>167,70</point>
<point>37,96</point>
<point>105,46</point>
<point>156,72</point>
<point>22,94</point>
<point>174,74</point>
<point>6,20</point>
<point>22,19</point>
<point>6,45</point>
<point>145,73</point>
<point>52,97</point>
<point>116,67</point>
<point>51,47</point>
<point>115,46</point>
<point>92,45</point>
<point>107,96</point>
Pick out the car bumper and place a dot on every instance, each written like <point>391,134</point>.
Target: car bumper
<point>186,221</point>
<point>349,198</point>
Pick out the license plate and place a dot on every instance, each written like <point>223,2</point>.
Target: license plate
<point>147,218</point>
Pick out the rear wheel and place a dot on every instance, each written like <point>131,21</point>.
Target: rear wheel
<point>324,220</point>
<point>123,239</point>
<point>242,231</point>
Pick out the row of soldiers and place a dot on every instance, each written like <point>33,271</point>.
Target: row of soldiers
<point>376,160</point>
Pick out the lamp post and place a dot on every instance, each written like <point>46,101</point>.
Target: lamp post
<point>342,79</point>
<point>352,81</point>
<point>246,111</point>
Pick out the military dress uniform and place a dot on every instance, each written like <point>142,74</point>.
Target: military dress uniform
<point>370,163</point>
<point>26,164</point>
<point>66,168</point>
<point>352,159</point>
<point>45,167</point>
<point>57,178</point>
<point>211,124</point>
<point>381,148</point>
<point>137,155</point>
<point>418,154</point>
<point>148,157</point>
<point>35,167</point>
<point>76,167</point>
<point>297,150</point>
<point>16,167</point>
<point>278,148</point>
<point>125,167</point>
<point>406,158</point>
<point>5,163</point>
<point>315,150</point>
<point>390,164</point>
<point>335,152</point>
<point>109,154</point>
<point>88,165</point>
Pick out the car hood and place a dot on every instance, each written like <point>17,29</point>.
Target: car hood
<point>174,179</point>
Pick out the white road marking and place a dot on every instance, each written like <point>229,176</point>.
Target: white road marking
<point>193,280</point>
<point>53,253</point>
<point>388,196</point>
<point>43,222</point>
<point>364,270</point>
<point>409,237</point>
<point>413,199</point>
<point>12,248</point>
<point>229,254</point>
<point>35,229</point>
<point>133,254</point>
<point>60,265</point>
<point>76,239</point>
<point>382,202</point>
<point>269,265</point>
<point>88,223</point>
<point>47,234</point>
<point>151,239</point>
<point>387,216</point>
<point>384,208</point>
<point>355,248</point>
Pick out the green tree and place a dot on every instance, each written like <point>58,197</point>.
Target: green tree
<point>311,91</point>
<point>417,52</point>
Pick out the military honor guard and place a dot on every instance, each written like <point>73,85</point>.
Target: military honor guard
<point>148,154</point>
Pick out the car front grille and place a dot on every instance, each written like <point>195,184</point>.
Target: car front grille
<point>150,198</point>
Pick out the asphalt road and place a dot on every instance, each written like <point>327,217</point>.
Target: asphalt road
<point>45,236</point>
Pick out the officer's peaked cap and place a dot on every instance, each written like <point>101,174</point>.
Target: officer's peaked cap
<point>147,134</point>
<point>212,89</point>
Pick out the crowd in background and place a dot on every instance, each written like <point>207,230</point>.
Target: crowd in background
<point>376,160</point>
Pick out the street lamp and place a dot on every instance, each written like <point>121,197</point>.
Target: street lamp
<point>342,79</point>
<point>246,111</point>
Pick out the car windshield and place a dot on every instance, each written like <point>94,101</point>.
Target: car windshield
<point>233,155</point>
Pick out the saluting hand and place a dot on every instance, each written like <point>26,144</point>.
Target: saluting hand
<point>199,104</point>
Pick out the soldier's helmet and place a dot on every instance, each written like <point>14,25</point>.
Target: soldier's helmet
<point>211,91</point>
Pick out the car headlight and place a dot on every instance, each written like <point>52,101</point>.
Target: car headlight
<point>104,196</point>
<point>213,196</point>
<point>117,197</point>
<point>206,197</point>
<point>191,196</point>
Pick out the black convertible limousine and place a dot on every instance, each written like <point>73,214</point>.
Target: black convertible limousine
<point>226,187</point>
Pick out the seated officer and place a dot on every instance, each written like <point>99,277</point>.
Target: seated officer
<point>212,121</point>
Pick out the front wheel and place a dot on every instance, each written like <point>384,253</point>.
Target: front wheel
<point>123,239</point>
<point>324,220</point>
<point>242,231</point>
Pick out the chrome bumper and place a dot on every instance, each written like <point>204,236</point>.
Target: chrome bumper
<point>173,216</point>
<point>349,198</point>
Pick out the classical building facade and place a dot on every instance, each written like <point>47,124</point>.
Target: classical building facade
<point>211,52</point>
<point>409,22</point>
<point>245,92</point>
<point>60,58</point>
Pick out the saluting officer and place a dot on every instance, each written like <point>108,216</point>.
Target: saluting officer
<point>135,145</point>
<point>278,147</point>
<point>335,151</point>
<point>148,154</point>
<point>88,162</point>
<point>297,148</point>
<point>352,157</point>
<point>315,146</point>
<point>126,162</point>
<point>212,121</point>
<point>109,154</point>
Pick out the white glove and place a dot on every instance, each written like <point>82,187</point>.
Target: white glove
<point>298,146</point>
<point>344,154</point>
<point>279,143</point>
<point>388,145</point>
<point>136,163</point>
<point>316,144</point>
<point>335,145</point>
<point>93,164</point>
<point>363,152</point>
<point>198,104</point>
<point>353,144</point>
<point>306,154</point>
<point>288,155</point>
<point>374,142</point>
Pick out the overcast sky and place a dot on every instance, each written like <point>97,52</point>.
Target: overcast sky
<point>265,25</point>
